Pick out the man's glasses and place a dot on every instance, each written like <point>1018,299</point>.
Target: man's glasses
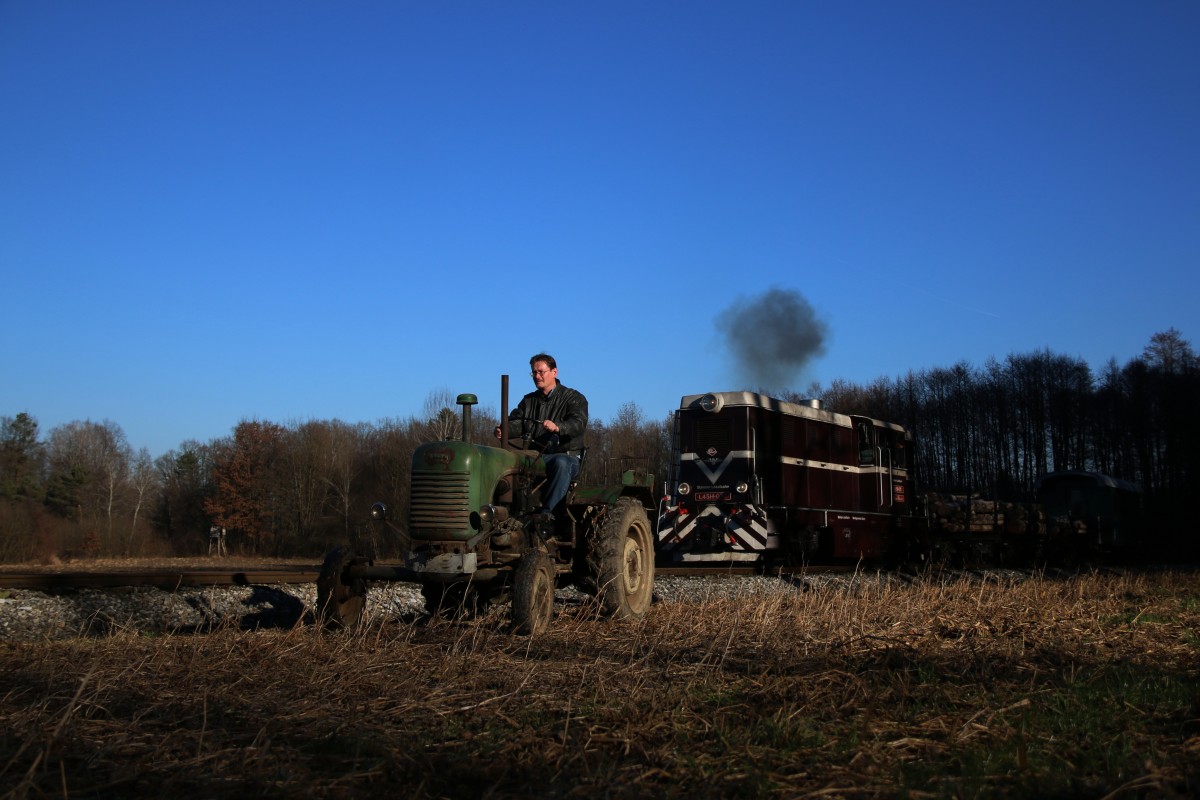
<point>539,372</point>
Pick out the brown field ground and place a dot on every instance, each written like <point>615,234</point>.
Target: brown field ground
<point>1087,686</point>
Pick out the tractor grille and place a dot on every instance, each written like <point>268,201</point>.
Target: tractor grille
<point>440,500</point>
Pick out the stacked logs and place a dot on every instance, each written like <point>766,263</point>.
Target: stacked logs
<point>972,528</point>
<point>972,514</point>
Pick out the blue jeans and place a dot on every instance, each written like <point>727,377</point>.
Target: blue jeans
<point>560,470</point>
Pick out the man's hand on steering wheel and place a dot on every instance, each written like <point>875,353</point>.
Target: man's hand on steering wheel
<point>550,426</point>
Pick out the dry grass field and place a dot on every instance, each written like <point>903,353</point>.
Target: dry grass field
<point>1087,686</point>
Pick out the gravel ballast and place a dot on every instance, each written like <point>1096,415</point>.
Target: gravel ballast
<point>27,614</point>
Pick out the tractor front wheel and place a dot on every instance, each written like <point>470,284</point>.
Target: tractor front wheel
<point>340,599</point>
<point>533,592</point>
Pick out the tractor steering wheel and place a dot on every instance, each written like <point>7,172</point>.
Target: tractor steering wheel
<point>529,444</point>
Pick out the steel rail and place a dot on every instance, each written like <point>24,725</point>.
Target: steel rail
<point>160,578</point>
<point>172,578</point>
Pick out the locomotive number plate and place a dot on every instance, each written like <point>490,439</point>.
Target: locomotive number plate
<point>711,497</point>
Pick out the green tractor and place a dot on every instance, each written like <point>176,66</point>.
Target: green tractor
<point>475,539</point>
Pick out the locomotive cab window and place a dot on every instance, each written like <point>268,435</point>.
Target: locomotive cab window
<point>866,443</point>
<point>900,452</point>
<point>896,445</point>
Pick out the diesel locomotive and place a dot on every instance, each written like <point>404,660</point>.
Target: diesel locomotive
<point>756,479</point>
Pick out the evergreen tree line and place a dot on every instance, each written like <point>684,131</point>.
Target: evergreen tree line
<point>295,489</point>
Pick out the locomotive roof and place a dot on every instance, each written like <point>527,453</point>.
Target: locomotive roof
<point>753,399</point>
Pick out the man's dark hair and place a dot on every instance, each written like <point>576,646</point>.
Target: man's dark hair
<point>549,361</point>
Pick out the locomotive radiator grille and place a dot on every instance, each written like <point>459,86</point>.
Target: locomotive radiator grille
<point>715,433</point>
<point>440,500</point>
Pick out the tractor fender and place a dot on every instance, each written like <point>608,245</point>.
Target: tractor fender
<point>609,495</point>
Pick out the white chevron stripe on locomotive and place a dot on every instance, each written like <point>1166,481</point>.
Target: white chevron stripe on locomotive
<point>751,536</point>
<point>674,530</point>
<point>714,474</point>
<point>689,523</point>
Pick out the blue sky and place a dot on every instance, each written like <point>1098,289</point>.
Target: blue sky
<point>217,211</point>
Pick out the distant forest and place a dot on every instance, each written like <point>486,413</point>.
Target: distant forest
<point>80,490</point>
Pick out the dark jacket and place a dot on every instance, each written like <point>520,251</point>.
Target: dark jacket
<point>566,407</point>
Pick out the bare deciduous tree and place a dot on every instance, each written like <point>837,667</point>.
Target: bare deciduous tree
<point>143,481</point>
<point>442,423</point>
<point>94,458</point>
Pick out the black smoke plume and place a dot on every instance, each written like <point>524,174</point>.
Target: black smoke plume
<point>772,337</point>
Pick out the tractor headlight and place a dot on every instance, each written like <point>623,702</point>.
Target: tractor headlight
<point>488,517</point>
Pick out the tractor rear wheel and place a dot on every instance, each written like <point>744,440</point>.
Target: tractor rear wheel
<point>340,599</point>
<point>533,592</point>
<point>621,559</point>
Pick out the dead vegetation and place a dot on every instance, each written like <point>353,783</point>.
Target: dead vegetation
<point>1080,687</point>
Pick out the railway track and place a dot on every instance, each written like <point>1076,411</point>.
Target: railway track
<point>173,578</point>
<point>163,578</point>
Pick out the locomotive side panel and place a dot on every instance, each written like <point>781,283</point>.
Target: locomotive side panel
<point>815,483</point>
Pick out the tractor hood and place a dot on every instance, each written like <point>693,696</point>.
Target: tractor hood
<point>450,480</point>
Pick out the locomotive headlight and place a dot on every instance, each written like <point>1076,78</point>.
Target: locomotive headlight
<point>379,511</point>
<point>742,488</point>
<point>711,403</point>
<point>684,488</point>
